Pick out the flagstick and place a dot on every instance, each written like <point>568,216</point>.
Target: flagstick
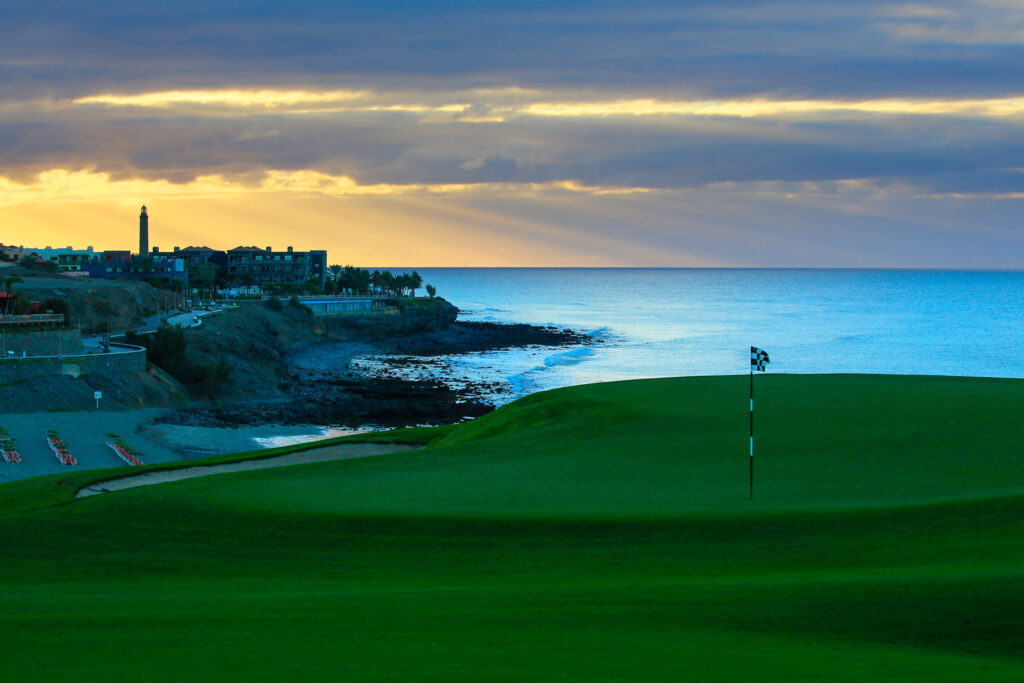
<point>751,432</point>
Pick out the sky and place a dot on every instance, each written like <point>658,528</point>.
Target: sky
<point>521,133</point>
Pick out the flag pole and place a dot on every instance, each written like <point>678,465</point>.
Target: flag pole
<point>758,359</point>
<point>751,432</point>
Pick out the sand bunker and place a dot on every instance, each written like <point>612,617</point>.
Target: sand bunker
<point>336,452</point>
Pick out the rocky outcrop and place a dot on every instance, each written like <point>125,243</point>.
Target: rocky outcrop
<point>256,339</point>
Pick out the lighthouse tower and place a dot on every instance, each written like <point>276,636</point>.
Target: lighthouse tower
<point>143,233</point>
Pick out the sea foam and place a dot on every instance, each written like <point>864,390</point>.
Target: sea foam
<point>567,357</point>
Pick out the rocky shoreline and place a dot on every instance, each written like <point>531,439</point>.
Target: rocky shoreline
<point>324,388</point>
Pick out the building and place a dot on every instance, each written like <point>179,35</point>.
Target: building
<point>66,258</point>
<point>246,266</point>
<point>114,265</point>
<point>339,306</point>
<point>278,267</point>
<point>193,256</point>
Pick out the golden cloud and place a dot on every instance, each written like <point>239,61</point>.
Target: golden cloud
<point>62,185</point>
<point>500,105</point>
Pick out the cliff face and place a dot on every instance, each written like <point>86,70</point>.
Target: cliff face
<point>255,340</point>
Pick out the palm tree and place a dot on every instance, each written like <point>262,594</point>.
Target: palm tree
<point>387,282</point>
<point>335,272</point>
<point>415,282</point>
<point>360,280</point>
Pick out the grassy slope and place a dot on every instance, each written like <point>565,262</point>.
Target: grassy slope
<point>593,533</point>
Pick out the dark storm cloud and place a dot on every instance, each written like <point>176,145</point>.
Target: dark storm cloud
<point>794,48</point>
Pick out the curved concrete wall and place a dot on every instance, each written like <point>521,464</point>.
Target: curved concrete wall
<point>41,343</point>
<point>127,358</point>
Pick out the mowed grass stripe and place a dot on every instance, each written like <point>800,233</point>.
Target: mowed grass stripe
<point>592,533</point>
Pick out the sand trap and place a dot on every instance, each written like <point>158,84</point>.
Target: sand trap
<point>336,452</point>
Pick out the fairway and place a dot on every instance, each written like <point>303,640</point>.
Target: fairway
<point>598,532</point>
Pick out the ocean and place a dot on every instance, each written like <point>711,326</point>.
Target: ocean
<point>654,322</point>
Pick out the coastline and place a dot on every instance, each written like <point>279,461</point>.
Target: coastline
<point>293,384</point>
<point>328,386</point>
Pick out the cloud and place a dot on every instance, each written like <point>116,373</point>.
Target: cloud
<point>740,48</point>
<point>788,119</point>
<point>418,139</point>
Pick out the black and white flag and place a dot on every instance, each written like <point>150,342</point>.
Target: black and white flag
<point>757,359</point>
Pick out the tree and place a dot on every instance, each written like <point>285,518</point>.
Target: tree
<point>58,306</point>
<point>415,282</point>
<point>387,282</point>
<point>345,280</point>
<point>201,277</point>
<point>8,284</point>
<point>362,281</point>
<point>312,286</point>
<point>166,349</point>
<point>335,271</point>
<point>431,291</point>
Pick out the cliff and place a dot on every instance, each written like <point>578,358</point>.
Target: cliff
<point>255,340</point>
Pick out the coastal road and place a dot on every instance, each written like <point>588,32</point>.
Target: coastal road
<point>151,323</point>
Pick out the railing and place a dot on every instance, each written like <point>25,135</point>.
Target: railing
<point>77,356</point>
<point>33,319</point>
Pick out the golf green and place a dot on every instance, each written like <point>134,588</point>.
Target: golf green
<point>601,532</point>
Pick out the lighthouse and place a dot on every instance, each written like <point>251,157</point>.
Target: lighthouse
<point>143,233</point>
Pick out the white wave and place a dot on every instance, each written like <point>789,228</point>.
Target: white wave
<point>525,382</point>
<point>568,357</point>
<point>521,384</point>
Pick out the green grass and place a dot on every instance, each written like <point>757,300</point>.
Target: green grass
<point>593,533</point>
<point>60,489</point>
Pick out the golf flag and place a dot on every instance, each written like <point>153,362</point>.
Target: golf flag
<point>757,359</point>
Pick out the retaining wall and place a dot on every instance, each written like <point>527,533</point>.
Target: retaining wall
<point>41,342</point>
<point>124,358</point>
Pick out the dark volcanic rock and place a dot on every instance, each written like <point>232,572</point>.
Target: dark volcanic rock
<point>316,393</point>
<point>467,337</point>
<point>383,402</point>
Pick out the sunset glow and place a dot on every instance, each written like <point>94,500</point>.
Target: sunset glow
<point>835,136</point>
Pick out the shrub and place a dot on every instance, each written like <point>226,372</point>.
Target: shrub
<point>295,303</point>
<point>166,349</point>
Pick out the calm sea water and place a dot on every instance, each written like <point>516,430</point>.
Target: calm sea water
<point>670,322</point>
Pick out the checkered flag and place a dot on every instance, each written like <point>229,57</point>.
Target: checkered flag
<point>757,359</point>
